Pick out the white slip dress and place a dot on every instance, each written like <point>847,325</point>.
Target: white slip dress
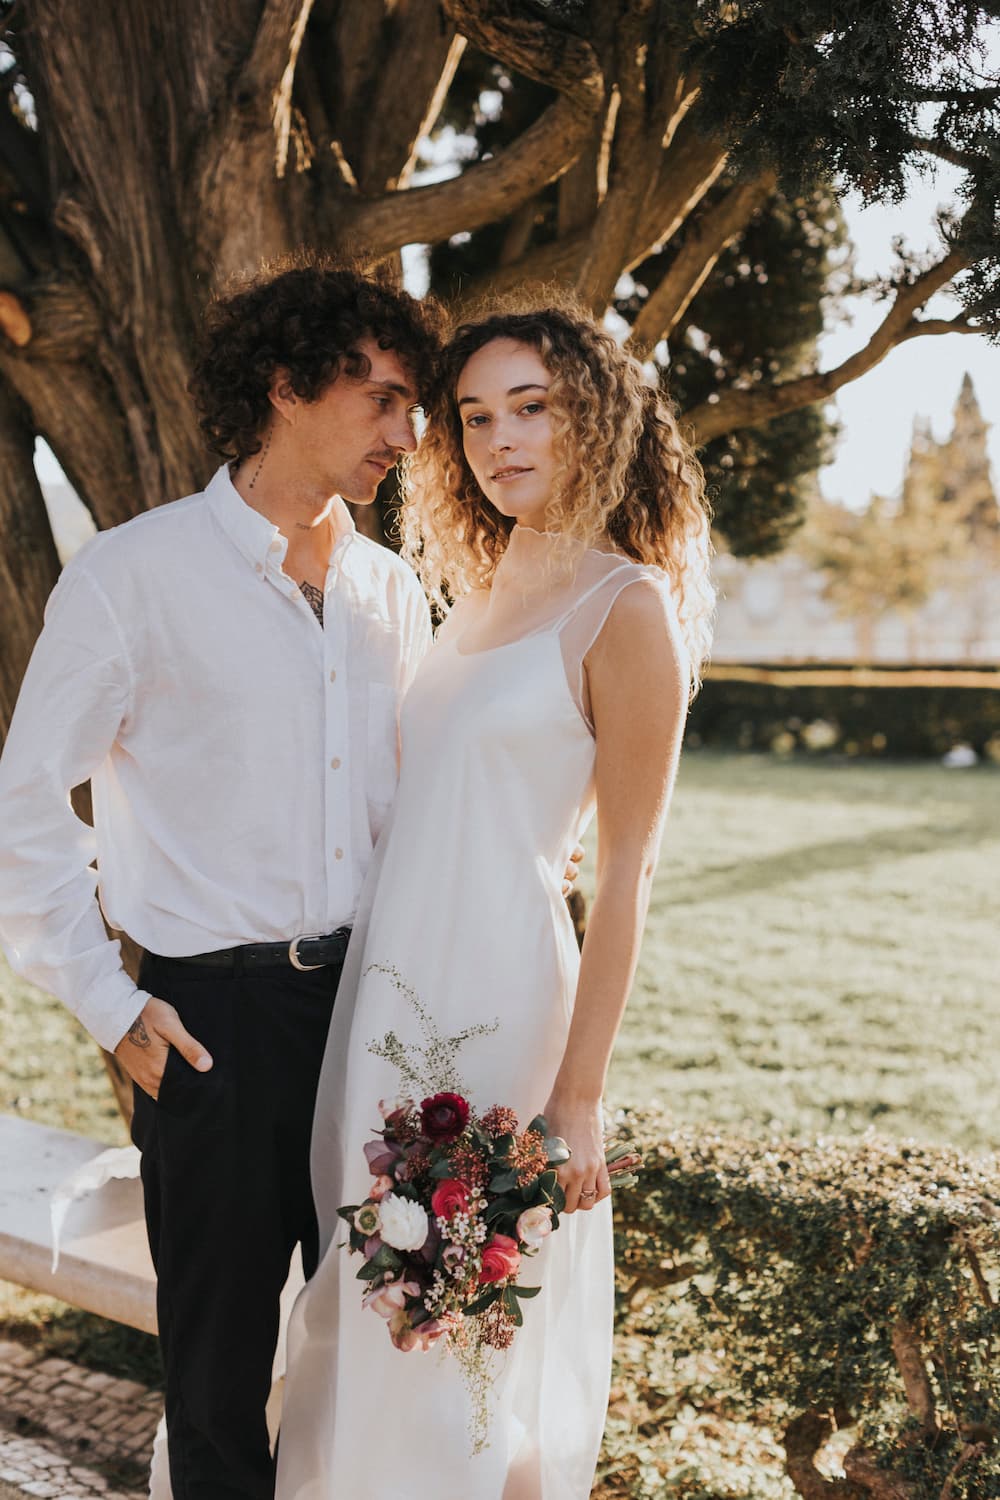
<point>464,902</point>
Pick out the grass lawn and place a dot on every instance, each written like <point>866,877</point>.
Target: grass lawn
<point>821,956</point>
<point>821,953</point>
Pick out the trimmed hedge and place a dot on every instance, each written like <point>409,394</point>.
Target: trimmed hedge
<point>836,1284</point>
<point>867,720</point>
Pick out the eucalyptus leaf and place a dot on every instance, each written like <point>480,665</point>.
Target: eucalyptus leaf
<point>482,1302</point>
<point>503,1182</point>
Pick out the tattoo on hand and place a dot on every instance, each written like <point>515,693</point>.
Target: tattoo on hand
<point>137,1033</point>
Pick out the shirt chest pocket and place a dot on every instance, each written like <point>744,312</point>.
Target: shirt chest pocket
<point>382,768</point>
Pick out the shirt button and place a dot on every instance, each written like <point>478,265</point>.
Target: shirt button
<point>335,763</point>
<point>258,567</point>
<point>333,674</point>
<point>338,853</point>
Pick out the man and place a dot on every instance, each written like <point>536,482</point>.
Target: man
<point>226,671</point>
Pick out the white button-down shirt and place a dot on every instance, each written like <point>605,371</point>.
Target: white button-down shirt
<point>242,758</point>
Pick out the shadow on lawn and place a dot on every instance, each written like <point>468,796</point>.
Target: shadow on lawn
<point>750,876</point>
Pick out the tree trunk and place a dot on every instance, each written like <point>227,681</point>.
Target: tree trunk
<point>29,566</point>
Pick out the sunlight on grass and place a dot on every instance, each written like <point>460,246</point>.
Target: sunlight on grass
<point>821,951</point>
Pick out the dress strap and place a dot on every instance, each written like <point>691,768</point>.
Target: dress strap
<point>605,582</point>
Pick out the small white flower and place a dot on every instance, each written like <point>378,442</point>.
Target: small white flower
<point>404,1223</point>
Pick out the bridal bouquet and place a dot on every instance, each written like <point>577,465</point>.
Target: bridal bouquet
<point>457,1203</point>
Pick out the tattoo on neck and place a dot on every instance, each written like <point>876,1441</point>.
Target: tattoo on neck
<point>260,465</point>
<point>138,1035</point>
<point>314,598</point>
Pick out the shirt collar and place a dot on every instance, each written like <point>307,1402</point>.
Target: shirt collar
<point>257,538</point>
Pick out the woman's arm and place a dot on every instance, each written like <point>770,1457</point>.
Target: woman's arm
<point>637,674</point>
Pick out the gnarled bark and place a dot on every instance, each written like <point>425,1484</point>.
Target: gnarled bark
<point>29,565</point>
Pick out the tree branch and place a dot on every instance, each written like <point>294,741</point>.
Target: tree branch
<point>941,149</point>
<point>952,96</point>
<point>970,1452</point>
<point>687,171</point>
<point>584,185</point>
<point>278,38</point>
<point>863,1470</point>
<point>410,90</point>
<point>60,379</point>
<point>559,59</point>
<point>802,1438</point>
<point>750,408</point>
<point>691,165</point>
<point>917,327</point>
<point>695,261</point>
<point>636,154</point>
<point>909,1358</point>
<point>265,82</point>
<point>488,191</point>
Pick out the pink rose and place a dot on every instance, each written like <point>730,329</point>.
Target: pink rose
<point>435,1329</point>
<point>534,1225</point>
<point>382,1185</point>
<point>450,1197</point>
<point>501,1258</point>
<point>390,1300</point>
<point>444,1117</point>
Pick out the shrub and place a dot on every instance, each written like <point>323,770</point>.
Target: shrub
<point>900,721</point>
<point>832,1285</point>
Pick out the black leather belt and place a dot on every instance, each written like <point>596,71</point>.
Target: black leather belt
<point>301,953</point>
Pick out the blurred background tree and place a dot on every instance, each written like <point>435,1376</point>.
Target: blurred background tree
<point>943,529</point>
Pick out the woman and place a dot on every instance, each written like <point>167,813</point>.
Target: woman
<point>554,500</point>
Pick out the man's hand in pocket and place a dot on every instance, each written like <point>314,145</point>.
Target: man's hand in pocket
<point>144,1048</point>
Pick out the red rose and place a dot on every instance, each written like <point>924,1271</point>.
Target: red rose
<point>443,1118</point>
<point>501,1258</point>
<point>450,1197</point>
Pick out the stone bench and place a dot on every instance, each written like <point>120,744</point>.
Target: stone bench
<point>104,1262</point>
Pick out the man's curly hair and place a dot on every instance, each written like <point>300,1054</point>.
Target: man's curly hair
<point>305,314</point>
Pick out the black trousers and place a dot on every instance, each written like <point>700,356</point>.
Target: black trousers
<point>225,1172</point>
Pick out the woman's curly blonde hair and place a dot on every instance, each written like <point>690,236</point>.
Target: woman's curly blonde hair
<point>627,475</point>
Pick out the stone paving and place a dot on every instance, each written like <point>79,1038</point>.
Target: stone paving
<point>69,1433</point>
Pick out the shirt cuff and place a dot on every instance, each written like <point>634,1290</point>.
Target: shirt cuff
<point>110,1009</point>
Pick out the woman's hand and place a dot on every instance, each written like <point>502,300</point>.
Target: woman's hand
<point>584,1178</point>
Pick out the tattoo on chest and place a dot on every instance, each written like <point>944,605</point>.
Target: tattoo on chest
<point>137,1033</point>
<point>314,598</point>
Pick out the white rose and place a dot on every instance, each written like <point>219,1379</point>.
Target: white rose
<point>404,1223</point>
<point>534,1225</point>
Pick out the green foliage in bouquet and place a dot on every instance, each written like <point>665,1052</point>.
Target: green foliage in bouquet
<point>834,1286</point>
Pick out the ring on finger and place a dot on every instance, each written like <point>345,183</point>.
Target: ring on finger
<point>591,1193</point>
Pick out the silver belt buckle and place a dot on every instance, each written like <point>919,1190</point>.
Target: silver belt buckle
<point>293,952</point>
